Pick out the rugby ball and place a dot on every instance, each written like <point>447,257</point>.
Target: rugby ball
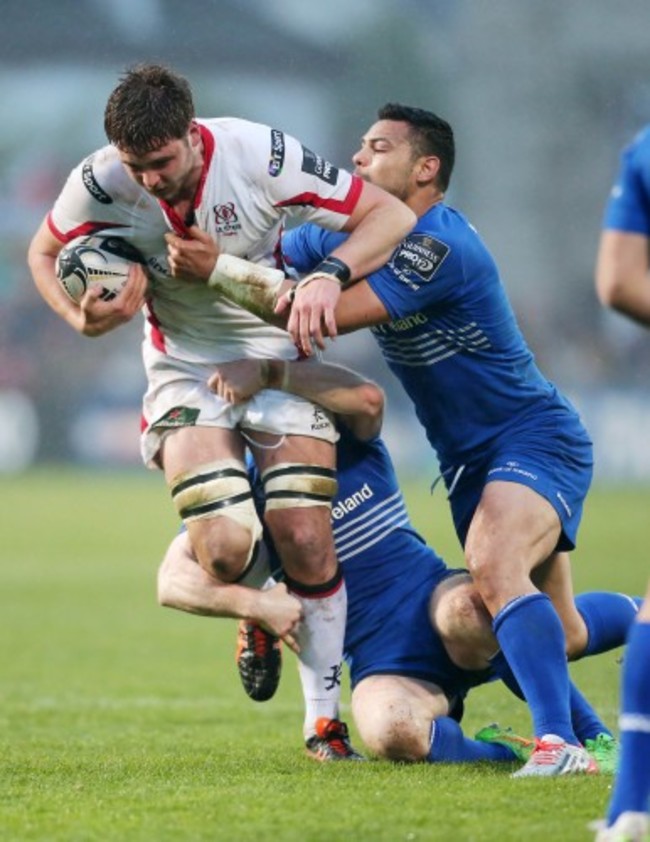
<point>99,259</point>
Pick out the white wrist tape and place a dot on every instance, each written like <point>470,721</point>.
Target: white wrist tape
<point>245,283</point>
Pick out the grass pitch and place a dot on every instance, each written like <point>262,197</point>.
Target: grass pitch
<point>124,721</point>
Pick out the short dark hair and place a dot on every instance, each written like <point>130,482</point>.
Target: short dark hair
<point>151,106</point>
<point>431,135</point>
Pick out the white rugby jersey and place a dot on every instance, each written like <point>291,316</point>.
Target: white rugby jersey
<point>253,178</point>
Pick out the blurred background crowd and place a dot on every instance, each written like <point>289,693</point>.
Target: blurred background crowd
<point>542,95</point>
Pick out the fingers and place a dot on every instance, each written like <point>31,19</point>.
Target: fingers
<point>292,643</point>
<point>283,303</point>
<point>197,233</point>
<point>192,256</point>
<point>312,316</point>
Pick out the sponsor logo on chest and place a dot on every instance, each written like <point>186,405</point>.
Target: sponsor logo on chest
<point>226,221</point>
<point>418,259</point>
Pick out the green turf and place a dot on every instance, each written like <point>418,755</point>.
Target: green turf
<point>123,721</point>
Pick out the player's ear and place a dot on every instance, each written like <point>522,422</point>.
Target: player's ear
<point>194,134</point>
<point>426,169</point>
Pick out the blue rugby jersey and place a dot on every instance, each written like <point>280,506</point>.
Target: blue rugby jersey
<point>628,207</point>
<point>385,561</point>
<point>453,340</point>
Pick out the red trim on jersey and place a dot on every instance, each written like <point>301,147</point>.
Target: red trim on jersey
<point>179,225</point>
<point>86,229</point>
<point>344,206</point>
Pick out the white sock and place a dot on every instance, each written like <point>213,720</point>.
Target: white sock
<point>320,637</point>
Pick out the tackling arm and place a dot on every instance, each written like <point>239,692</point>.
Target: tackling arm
<point>260,290</point>
<point>623,274</point>
<point>356,400</point>
<point>184,585</point>
<point>378,224</point>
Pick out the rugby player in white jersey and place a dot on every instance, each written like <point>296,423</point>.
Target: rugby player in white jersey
<point>167,174</point>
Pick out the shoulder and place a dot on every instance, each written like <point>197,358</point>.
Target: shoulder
<point>438,236</point>
<point>237,131</point>
<point>103,178</point>
<point>258,149</point>
<point>637,152</point>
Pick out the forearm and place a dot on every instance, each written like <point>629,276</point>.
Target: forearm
<point>184,585</point>
<point>252,287</point>
<point>341,391</point>
<point>631,298</point>
<point>368,247</point>
<point>43,272</point>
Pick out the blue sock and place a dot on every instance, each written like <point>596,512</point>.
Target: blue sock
<point>450,745</point>
<point>586,722</point>
<point>608,617</point>
<point>632,785</point>
<point>531,637</point>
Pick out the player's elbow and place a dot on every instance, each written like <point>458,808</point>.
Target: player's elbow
<point>165,591</point>
<point>608,289</point>
<point>369,421</point>
<point>409,221</point>
<point>373,401</point>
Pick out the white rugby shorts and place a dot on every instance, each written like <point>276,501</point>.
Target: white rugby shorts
<point>178,396</point>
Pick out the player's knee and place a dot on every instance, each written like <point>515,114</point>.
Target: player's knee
<point>223,548</point>
<point>216,503</point>
<point>464,625</point>
<point>490,577</point>
<point>389,722</point>
<point>225,564</point>
<point>455,608</point>
<point>299,528</point>
<point>298,502</point>
<point>392,733</point>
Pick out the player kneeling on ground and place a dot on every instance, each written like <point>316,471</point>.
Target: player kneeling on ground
<point>418,637</point>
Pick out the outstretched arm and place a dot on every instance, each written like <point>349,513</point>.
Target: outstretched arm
<point>266,293</point>
<point>357,401</point>
<point>379,222</point>
<point>184,585</point>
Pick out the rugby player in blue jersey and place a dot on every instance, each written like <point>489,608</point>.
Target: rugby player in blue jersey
<point>417,636</point>
<point>623,283</point>
<point>514,455</point>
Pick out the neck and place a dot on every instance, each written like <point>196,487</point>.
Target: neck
<point>420,203</point>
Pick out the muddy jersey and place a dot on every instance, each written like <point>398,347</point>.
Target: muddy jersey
<point>253,178</point>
